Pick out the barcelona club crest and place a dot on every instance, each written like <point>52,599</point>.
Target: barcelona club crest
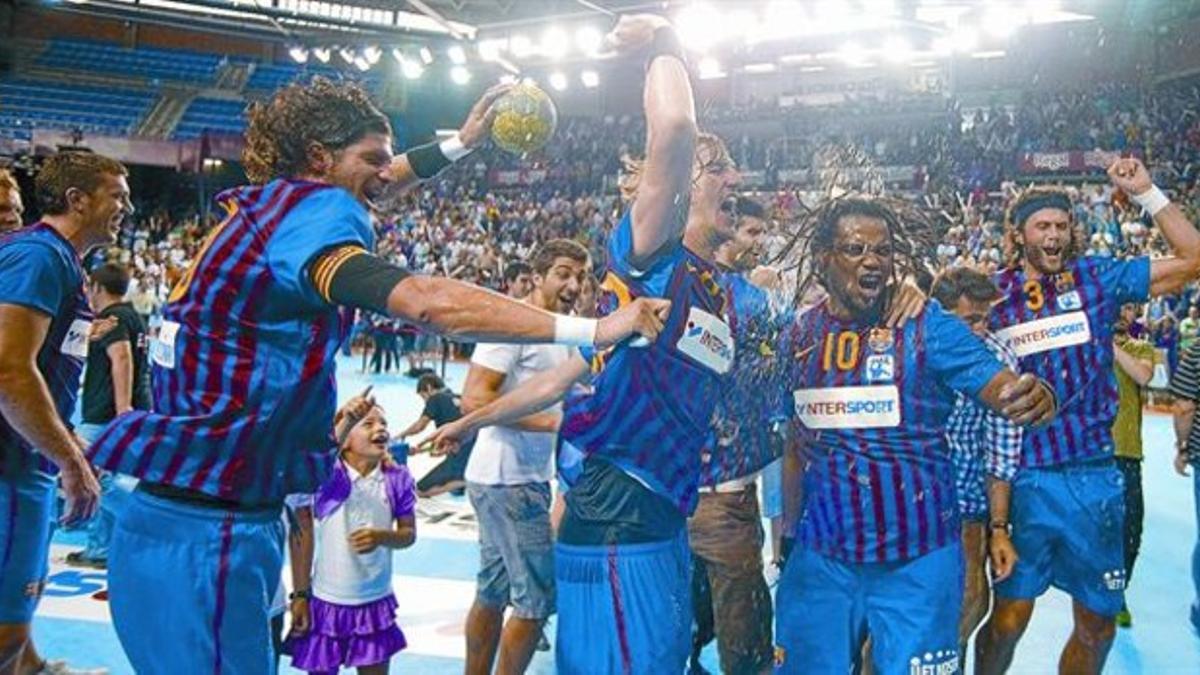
<point>881,340</point>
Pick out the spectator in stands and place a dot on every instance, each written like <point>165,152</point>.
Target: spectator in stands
<point>518,279</point>
<point>11,208</point>
<point>1189,328</point>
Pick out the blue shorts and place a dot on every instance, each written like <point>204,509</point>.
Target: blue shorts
<point>624,608</point>
<point>825,608</point>
<point>1068,523</point>
<point>26,510</point>
<point>772,489</point>
<point>190,587</point>
<point>516,548</point>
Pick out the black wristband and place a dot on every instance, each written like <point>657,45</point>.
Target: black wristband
<point>427,160</point>
<point>666,43</point>
<point>300,595</point>
<point>365,281</point>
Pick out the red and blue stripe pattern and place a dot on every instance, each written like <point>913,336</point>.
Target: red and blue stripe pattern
<point>1081,374</point>
<point>244,395</point>
<point>872,492</point>
<point>651,408</point>
<point>756,396</point>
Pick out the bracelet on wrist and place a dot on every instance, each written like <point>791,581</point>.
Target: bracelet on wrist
<point>300,595</point>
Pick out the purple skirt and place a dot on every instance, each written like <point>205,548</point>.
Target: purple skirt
<point>347,635</point>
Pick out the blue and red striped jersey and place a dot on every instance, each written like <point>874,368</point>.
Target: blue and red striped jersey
<point>243,367</point>
<point>1061,328</point>
<point>42,272</point>
<point>650,409</point>
<point>872,405</point>
<point>757,396</point>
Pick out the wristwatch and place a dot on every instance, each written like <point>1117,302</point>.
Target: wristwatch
<point>300,595</point>
<point>1000,525</point>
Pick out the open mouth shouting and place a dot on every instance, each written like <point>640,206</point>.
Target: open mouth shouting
<point>381,439</point>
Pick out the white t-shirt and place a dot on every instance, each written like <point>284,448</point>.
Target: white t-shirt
<point>340,575</point>
<point>507,456</point>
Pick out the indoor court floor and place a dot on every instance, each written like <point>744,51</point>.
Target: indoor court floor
<point>434,579</point>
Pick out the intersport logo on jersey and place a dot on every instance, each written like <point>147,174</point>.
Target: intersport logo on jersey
<point>1043,335</point>
<point>849,407</point>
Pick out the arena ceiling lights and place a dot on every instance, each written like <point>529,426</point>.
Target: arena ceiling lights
<point>293,18</point>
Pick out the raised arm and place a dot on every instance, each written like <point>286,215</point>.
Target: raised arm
<point>1171,274</point>
<point>426,161</point>
<point>661,206</point>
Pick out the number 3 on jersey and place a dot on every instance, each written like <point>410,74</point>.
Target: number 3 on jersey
<point>841,349</point>
<point>1034,299</point>
<point>181,286</point>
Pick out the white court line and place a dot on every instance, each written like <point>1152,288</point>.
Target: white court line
<point>431,611</point>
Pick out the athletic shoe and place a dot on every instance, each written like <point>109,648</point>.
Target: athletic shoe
<point>1124,618</point>
<point>77,559</point>
<point>61,668</point>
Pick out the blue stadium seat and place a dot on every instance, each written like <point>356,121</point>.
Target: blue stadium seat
<point>216,116</point>
<point>30,104</point>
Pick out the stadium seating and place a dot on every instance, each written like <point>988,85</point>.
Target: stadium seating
<point>98,110</point>
<point>151,64</point>
<point>216,116</point>
<point>269,77</point>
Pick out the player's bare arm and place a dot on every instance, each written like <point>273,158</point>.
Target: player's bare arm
<point>426,161</point>
<point>26,404</point>
<point>1171,274</point>
<point>535,394</point>
<point>351,276</point>
<point>483,386</point>
<point>660,210</point>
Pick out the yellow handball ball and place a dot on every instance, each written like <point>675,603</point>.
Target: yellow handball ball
<point>525,119</point>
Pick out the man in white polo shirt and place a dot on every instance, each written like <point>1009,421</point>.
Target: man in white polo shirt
<point>508,480</point>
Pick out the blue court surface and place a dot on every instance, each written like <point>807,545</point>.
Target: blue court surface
<point>435,578</point>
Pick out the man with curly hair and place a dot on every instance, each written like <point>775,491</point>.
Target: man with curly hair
<point>243,371</point>
<point>1057,312</point>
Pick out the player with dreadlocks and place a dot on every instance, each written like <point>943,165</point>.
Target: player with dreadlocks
<point>244,371</point>
<point>1057,313</point>
<point>877,534</point>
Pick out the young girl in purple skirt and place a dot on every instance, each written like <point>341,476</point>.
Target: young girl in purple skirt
<point>344,610</point>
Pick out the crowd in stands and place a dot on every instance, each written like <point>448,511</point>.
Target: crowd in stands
<point>460,227</point>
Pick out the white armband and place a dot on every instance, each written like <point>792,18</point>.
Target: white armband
<point>575,331</point>
<point>1153,200</point>
<point>453,148</point>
